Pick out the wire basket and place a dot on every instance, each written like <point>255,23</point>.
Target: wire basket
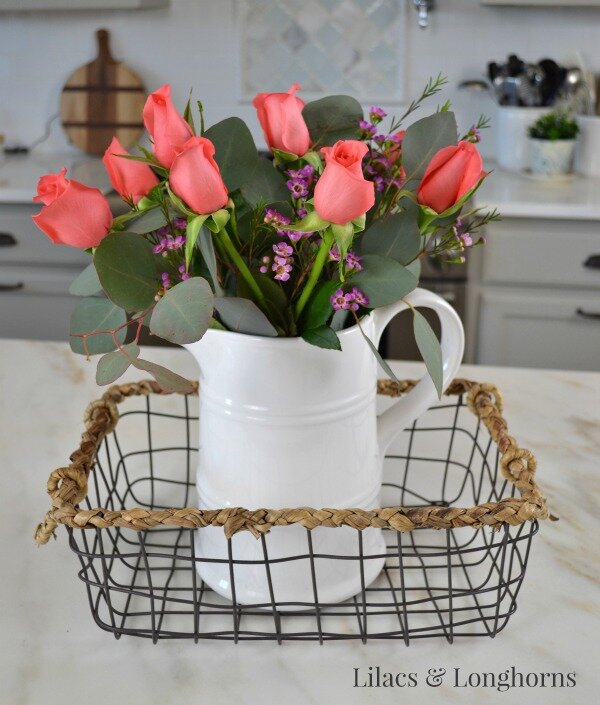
<point>460,509</point>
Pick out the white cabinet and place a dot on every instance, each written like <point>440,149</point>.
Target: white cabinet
<point>538,294</point>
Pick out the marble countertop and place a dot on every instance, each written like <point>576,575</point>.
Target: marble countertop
<point>522,196</point>
<point>53,653</point>
<point>19,174</point>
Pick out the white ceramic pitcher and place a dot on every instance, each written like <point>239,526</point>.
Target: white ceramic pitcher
<point>286,424</point>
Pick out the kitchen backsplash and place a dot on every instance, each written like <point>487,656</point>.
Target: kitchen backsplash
<point>230,49</point>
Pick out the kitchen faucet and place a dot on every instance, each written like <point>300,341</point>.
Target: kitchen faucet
<point>424,7</point>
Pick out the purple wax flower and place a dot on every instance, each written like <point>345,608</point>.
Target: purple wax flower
<point>359,297</point>
<point>377,113</point>
<point>282,249</point>
<point>294,235</point>
<point>297,187</point>
<point>334,254</point>
<point>301,211</point>
<point>338,301</point>
<point>367,127</point>
<point>166,281</point>
<point>273,217</point>
<point>158,248</point>
<point>353,262</point>
<point>282,269</point>
<point>180,223</point>
<point>466,239</point>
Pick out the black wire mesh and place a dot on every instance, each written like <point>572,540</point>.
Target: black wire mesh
<point>447,583</point>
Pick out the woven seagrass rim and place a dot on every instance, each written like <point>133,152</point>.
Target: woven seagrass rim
<point>67,486</point>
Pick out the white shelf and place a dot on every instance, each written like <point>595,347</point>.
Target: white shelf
<point>51,5</point>
<point>542,3</point>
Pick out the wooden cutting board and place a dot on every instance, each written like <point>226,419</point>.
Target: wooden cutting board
<point>102,99</point>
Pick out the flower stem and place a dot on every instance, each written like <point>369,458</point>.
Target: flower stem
<point>315,272</point>
<point>241,266</point>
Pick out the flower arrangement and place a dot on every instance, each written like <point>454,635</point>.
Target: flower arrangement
<point>303,244</point>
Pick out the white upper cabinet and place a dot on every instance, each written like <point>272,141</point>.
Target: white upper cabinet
<point>543,3</point>
<point>50,5</point>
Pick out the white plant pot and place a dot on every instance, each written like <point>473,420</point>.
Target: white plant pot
<point>512,140</point>
<point>552,157</point>
<point>287,424</point>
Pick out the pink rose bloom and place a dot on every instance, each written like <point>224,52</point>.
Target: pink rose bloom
<point>131,180</point>
<point>451,173</point>
<point>73,214</point>
<point>342,193</point>
<point>195,177</point>
<point>168,129</point>
<point>280,116</point>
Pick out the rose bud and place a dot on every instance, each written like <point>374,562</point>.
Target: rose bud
<point>195,177</point>
<point>342,194</point>
<point>168,129</point>
<point>73,214</point>
<point>452,173</point>
<point>395,152</point>
<point>280,116</point>
<point>132,180</point>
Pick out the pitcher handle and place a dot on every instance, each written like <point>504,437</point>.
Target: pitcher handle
<point>424,394</point>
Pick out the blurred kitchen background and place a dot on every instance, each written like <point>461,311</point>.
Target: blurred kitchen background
<point>530,297</point>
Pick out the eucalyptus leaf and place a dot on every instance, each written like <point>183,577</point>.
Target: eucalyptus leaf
<point>322,337</point>
<point>318,309</point>
<point>146,222</point>
<point>423,139</point>
<point>415,268</point>
<point>243,316</point>
<point>96,314</point>
<point>265,184</point>
<point>236,153</point>
<point>184,313</point>
<point>275,297</point>
<point>169,381</point>
<point>333,118</point>
<point>383,280</point>
<point>396,236</point>
<point>86,283</point>
<point>430,349</point>
<point>207,250</point>
<point>127,270</point>
<point>113,364</point>
<point>338,321</point>
<point>382,363</point>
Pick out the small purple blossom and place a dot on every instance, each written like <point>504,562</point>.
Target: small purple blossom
<point>301,211</point>
<point>159,247</point>
<point>343,302</point>
<point>334,254</point>
<point>297,187</point>
<point>282,269</point>
<point>185,275</point>
<point>353,261</point>
<point>295,235</point>
<point>376,113</point>
<point>282,249</point>
<point>166,280</point>
<point>359,297</point>
<point>273,217</point>
<point>367,127</point>
<point>466,239</point>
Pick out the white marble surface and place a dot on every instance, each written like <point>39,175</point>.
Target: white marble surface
<point>522,196</point>
<point>19,174</point>
<point>52,652</point>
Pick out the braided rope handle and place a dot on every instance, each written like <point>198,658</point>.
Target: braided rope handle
<point>67,486</point>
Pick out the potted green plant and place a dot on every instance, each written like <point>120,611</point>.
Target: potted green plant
<point>553,138</point>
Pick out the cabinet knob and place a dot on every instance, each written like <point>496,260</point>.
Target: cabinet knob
<point>592,262</point>
<point>588,314</point>
<point>11,287</point>
<point>7,240</point>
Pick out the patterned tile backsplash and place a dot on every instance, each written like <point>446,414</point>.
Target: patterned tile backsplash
<point>327,46</point>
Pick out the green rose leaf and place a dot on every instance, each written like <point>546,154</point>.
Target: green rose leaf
<point>319,310</point>
<point>396,236</point>
<point>86,283</point>
<point>112,365</point>
<point>95,313</point>
<point>265,184</point>
<point>236,153</point>
<point>243,316</point>
<point>127,270</point>
<point>430,349</point>
<point>183,314</point>
<point>422,140</point>
<point>169,381</point>
<point>383,280</point>
<point>322,337</point>
<point>333,118</point>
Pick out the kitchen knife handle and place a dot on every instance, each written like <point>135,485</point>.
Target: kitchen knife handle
<point>588,314</point>
<point>11,287</point>
<point>7,240</point>
<point>592,262</point>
